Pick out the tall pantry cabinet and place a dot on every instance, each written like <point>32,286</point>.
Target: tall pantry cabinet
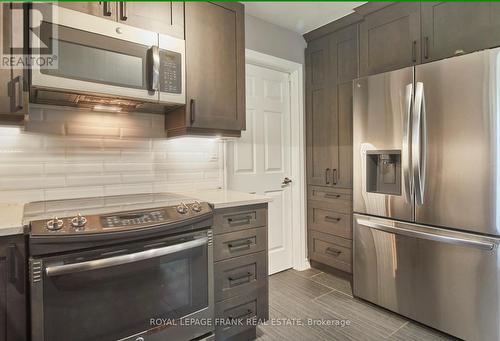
<point>331,65</point>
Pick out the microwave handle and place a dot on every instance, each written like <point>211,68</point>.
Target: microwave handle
<point>154,68</point>
<point>57,270</point>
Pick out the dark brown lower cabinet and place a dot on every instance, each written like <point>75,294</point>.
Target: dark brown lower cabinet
<point>329,227</point>
<point>13,321</point>
<point>240,271</point>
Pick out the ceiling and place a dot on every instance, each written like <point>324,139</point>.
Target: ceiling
<point>300,17</point>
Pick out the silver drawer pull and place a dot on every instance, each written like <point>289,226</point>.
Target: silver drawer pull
<point>332,219</point>
<point>240,276</point>
<point>238,317</point>
<point>240,220</point>
<point>336,196</point>
<point>240,245</point>
<point>333,252</point>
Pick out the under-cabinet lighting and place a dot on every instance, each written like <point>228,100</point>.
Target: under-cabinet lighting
<point>100,107</point>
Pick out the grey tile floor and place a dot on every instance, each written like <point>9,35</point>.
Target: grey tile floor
<point>312,294</point>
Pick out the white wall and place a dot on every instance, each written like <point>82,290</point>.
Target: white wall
<point>273,40</point>
<point>74,153</point>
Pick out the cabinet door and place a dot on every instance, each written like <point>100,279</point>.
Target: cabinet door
<point>321,113</point>
<point>453,28</point>
<point>215,65</point>
<point>344,46</point>
<point>345,53</point>
<point>12,289</point>
<point>104,9</point>
<point>162,17</point>
<point>13,96</point>
<point>390,38</point>
<point>344,174</point>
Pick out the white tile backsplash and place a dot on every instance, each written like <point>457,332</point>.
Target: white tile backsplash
<point>75,153</point>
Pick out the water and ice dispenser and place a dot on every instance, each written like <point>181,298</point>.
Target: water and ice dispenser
<point>383,171</point>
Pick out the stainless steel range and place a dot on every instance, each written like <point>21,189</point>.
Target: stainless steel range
<point>136,267</point>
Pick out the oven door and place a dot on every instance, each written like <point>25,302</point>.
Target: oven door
<point>99,56</point>
<point>136,292</point>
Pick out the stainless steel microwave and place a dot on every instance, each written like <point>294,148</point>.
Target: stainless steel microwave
<point>104,65</point>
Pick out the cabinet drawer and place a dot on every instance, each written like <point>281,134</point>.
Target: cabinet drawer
<point>239,243</point>
<point>241,275</point>
<point>330,250</point>
<point>335,199</point>
<point>240,218</point>
<point>241,308</point>
<point>328,221</point>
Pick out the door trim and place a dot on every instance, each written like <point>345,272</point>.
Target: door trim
<point>297,152</point>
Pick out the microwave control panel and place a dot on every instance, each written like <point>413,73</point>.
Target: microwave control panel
<point>170,72</point>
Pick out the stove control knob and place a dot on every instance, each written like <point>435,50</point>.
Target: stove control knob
<point>182,208</point>
<point>196,207</point>
<point>54,224</point>
<point>79,221</point>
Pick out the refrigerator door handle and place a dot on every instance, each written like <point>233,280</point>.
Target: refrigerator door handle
<point>408,178</point>
<point>419,143</point>
<point>478,244</point>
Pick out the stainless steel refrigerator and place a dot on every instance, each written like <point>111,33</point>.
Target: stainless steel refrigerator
<point>426,144</point>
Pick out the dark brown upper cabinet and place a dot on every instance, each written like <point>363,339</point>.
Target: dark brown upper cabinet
<point>104,9</point>
<point>390,38</point>
<point>13,321</point>
<point>162,17</point>
<point>215,72</point>
<point>331,65</point>
<point>454,28</point>
<point>13,88</point>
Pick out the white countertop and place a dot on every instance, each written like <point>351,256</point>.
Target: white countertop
<point>11,214</point>
<point>222,198</point>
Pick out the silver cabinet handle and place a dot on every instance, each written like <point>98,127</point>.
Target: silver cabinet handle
<point>154,68</point>
<point>240,245</point>
<point>238,317</point>
<point>327,171</point>
<point>239,220</point>
<point>334,176</point>
<point>192,112</point>
<point>106,9</point>
<point>246,276</point>
<point>408,179</point>
<point>414,51</point>
<point>123,11</point>
<point>335,196</point>
<point>419,143</point>
<point>333,252</point>
<point>332,219</point>
<point>426,47</point>
<point>20,90</point>
<point>427,235</point>
<point>57,270</point>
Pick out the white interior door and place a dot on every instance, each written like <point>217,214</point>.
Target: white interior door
<point>259,161</point>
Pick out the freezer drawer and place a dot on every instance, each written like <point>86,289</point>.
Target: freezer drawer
<point>445,279</point>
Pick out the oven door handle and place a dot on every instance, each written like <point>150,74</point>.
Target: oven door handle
<point>57,270</point>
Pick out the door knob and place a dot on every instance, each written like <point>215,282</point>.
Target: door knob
<point>286,181</point>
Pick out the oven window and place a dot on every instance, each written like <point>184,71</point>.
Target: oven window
<point>98,65</point>
<point>119,301</point>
